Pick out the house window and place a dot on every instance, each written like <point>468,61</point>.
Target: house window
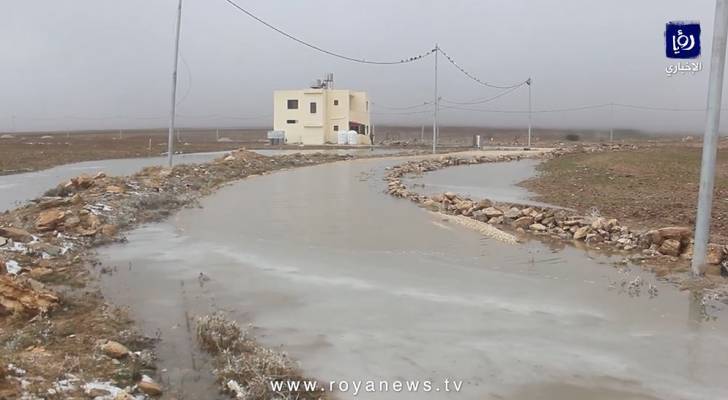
<point>312,108</point>
<point>336,128</point>
<point>336,102</point>
<point>291,121</point>
<point>293,104</point>
<point>367,106</point>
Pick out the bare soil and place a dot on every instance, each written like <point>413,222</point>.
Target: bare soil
<point>36,151</point>
<point>649,187</point>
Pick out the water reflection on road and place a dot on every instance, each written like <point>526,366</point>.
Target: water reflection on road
<point>358,285</point>
<point>18,188</point>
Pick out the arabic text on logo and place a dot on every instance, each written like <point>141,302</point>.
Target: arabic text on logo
<point>682,39</point>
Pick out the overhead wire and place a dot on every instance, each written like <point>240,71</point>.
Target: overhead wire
<point>377,104</point>
<point>475,78</point>
<point>325,51</point>
<point>481,100</point>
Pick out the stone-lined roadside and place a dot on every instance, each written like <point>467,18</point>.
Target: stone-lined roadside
<point>666,249</point>
<point>59,339</point>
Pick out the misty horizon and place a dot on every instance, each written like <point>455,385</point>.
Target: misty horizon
<point>107,65</point>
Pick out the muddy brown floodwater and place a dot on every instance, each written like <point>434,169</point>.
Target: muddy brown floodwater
<point>358,285</point>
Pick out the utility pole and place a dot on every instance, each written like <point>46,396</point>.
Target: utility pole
<point>434,122</point>
<point>530,118</point>
<point>710,139</point>
<point>173,106</point>
<point>371,124</point>
<point>611,122</point>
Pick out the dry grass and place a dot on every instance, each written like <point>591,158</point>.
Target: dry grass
<point>244,368</point>
<point>647,188</point>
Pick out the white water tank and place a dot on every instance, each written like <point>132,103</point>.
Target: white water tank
<point>342,137</point>
<point>353,138</point>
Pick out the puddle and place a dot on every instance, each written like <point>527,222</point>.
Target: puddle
<point>18,188</point>
<point>358,285</point>
<point>494,181</point>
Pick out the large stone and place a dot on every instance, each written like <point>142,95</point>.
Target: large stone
<point>109,229</point>
<point>114,349</point>
<point>17,234</point>
<point>653,236</point>
<point>715,254</point>
<point>49,219</point>
<point>492,212</point>
<point>485,203</point>
<point>537,227</point>
<point>581,233</point>
<point>496,220</point>
<point>149,387</point>
<point>523,222</point>
<point>3,241</point>
<point>71,222</point>
<point>687,252</point>
<point>599,223</point>
<point>675,232</point>
<point>670,247</point>
<point>82,182</point>
<point>463,205</point>
<point>513,212</point>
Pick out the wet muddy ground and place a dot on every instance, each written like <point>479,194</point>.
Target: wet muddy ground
<point>358,285</point>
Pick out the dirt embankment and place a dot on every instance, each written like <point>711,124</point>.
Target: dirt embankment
<point>59,339</point>
<point>645,188</point>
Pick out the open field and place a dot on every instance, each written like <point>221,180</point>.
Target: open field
<point>650,187</point>
<point>39,150</point>
<point>35,151</point>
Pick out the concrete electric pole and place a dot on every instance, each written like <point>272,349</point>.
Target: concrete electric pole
<point>710,139</point>
<point>529,82</point>
<point>435,132</point>
<point>170,138</point>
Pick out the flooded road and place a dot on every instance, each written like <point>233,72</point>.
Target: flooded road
<point>358,285</point>
<point>497,182</point>
<point>18,188</point>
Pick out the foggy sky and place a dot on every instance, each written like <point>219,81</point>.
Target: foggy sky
<point>83,64</point>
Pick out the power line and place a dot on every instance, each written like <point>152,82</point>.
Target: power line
<point>585,107</point>
<point>403,112</point>
<point>639,107</point>
<point>189,79</point>
<point>473,77</point>
<point>322,50</point>
<point>379,105</point>
<point>554,110</point>
<point>481,100</point>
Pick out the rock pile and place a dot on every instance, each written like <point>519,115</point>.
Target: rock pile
<point>48,234</point>
<point>593,230</point>
<point>44,250</point>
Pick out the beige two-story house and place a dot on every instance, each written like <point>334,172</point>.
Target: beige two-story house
<point>314,116</point>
